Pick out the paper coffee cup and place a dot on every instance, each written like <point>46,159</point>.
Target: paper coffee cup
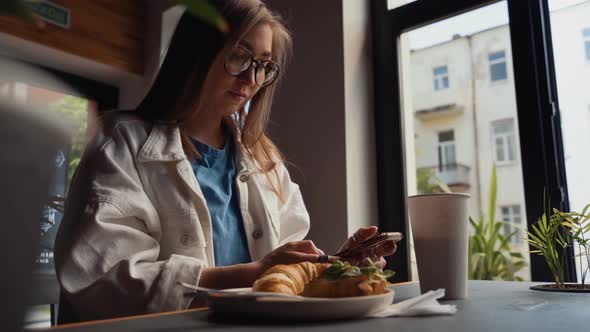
<point>439,228</point>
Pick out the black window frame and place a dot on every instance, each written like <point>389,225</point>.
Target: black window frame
<point>538,114</point>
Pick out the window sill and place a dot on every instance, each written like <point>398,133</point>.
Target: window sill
<point>506,163</point>
<point>499,82</point>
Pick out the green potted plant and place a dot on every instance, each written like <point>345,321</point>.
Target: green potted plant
<point>553,233</point>
<point>490,255</point>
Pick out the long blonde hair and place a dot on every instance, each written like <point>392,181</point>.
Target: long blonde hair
<point>173,97</point>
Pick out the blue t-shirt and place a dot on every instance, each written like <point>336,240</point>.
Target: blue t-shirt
<point>216,171</point>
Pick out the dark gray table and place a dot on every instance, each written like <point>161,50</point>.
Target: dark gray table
<point>491,306</point>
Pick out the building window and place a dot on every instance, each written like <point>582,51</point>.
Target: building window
<point>441,78</point>
<point>512,218</point>
<point>504,141</point>
<point>586,34</point>
<point>498,68</point>
<point>446,149</point>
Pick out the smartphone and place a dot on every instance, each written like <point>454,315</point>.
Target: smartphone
<point>369,244</point>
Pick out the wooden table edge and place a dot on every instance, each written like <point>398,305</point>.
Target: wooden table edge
<point>102,321</point>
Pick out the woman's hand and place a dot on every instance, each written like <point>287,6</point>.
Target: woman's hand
<point>291,253</point>
<point>244,275</point>
<point>377,254</point>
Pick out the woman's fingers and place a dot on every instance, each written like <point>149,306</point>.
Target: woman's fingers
<point>388,248</point>
<point>298,257</point>
<point>362,234</point>
<point>375,255</point>
<point>294,257</point>
<point>381,263</point>
<point>306,250</point>
<point>305,246</point>
<point>365,233</point>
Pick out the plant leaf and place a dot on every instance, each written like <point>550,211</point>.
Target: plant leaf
<point>443,186</point>
<point>205,11</point>
<point>492,195</point>
<point>18,9</point>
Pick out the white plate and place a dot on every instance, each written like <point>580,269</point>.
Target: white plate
<point>306,308</point>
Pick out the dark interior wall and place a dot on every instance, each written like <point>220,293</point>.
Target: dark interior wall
<point>308,120</point>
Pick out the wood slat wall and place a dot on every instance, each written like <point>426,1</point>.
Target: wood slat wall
<point>107,31</point>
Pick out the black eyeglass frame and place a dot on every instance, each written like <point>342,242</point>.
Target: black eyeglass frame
<point>256,68</point>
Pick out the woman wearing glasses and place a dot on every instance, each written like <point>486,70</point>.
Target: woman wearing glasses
<point>188,188</point>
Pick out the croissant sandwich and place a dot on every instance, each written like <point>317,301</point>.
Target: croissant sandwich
<point>339,279</point>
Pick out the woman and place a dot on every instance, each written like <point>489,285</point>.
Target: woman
<point>188,188</point>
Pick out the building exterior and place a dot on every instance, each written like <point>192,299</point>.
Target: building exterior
<point>465,115</point>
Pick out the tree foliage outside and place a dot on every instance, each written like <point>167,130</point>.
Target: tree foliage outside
<point>74,110</point>
<point>424,178</point>
<point>427,182</point>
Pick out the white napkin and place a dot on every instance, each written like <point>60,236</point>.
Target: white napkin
<point>423,305</point>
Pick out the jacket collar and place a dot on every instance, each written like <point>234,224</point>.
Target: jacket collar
<point>164,144</point>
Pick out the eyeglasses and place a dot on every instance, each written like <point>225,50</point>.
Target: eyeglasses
<point>239,60</point>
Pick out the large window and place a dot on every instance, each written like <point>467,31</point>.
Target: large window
<point>471,48</point>
<point>504,141</point>
<point>76,101</point>
<point>483,42</point>
<point>79,113</point>
<point>441,78</point>
<point>498,69</point>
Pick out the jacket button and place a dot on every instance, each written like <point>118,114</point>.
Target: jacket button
<point>244,177</point>
<point>257,234</point>
<point>185,240</point>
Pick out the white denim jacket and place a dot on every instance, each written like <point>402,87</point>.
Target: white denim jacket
<point>137,224</point>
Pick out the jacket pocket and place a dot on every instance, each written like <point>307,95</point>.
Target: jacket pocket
<point>183,234</point>
<point>263,206</point>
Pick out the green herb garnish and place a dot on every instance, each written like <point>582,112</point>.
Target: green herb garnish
<point>341,269</point>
